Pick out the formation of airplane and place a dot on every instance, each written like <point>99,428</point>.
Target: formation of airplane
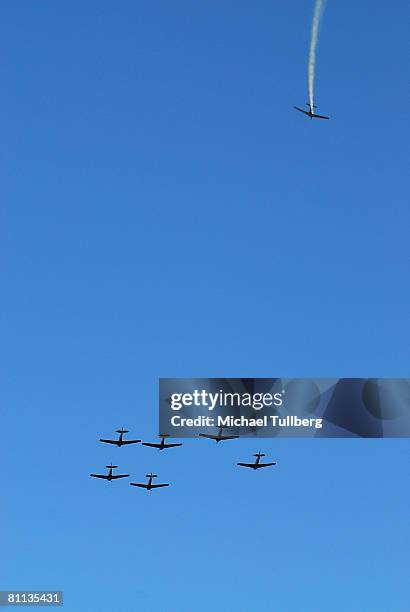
<point>120,441</point>
<point>219,436</point>
<point>162,445</point>
<point>311,112</point>
<point>149,485</point>
<point>256,465</point>
<point>110,476</point>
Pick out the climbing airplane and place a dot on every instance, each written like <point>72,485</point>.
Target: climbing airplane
<point>310,113</point>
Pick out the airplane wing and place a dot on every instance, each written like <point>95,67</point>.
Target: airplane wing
<point>130,441</point>
<point>138,484</point>
<point>210,436</point>
<point>229,437</point>
<point>157,486</point>
<point>109,441</point>
<point>260,465</point>
<point>153,444</point>
<point>319,117</point>
<point>303,111</point>
<point>250,465</point>
<point>120,476</point>
<point>99,476</point>
<point>174,444</point>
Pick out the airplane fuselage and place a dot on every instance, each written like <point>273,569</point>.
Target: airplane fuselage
<point>120,441</point>
<point>219,436</point>
<point>257,460</point>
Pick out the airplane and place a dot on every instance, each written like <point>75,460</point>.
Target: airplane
<point>311,113</point>
<point>110,476</point>
<point>218,437</point>
<point>148,486</point>
<point>161,445</point>
<point>257,464</point>
<point>120,441</point>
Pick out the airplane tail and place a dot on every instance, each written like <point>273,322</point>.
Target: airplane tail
<point>121,431</point>
<point>111,466</point>
<point>151,475</point>
<point>259,455</point>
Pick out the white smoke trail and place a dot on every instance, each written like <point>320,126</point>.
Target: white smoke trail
<point>319,8</point>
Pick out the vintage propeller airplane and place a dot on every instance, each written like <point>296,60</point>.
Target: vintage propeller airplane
<point>120,441</point>
<point>310,113</point>
<point>110,476</point>
<point>257,463</point>
<point>162,445</point>
<point>149,485</point>
<point>219,436</point>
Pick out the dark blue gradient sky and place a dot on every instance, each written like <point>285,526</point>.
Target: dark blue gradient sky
<point>166,212</point>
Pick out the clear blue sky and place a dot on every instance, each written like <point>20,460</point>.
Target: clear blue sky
<point>165,212</point>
